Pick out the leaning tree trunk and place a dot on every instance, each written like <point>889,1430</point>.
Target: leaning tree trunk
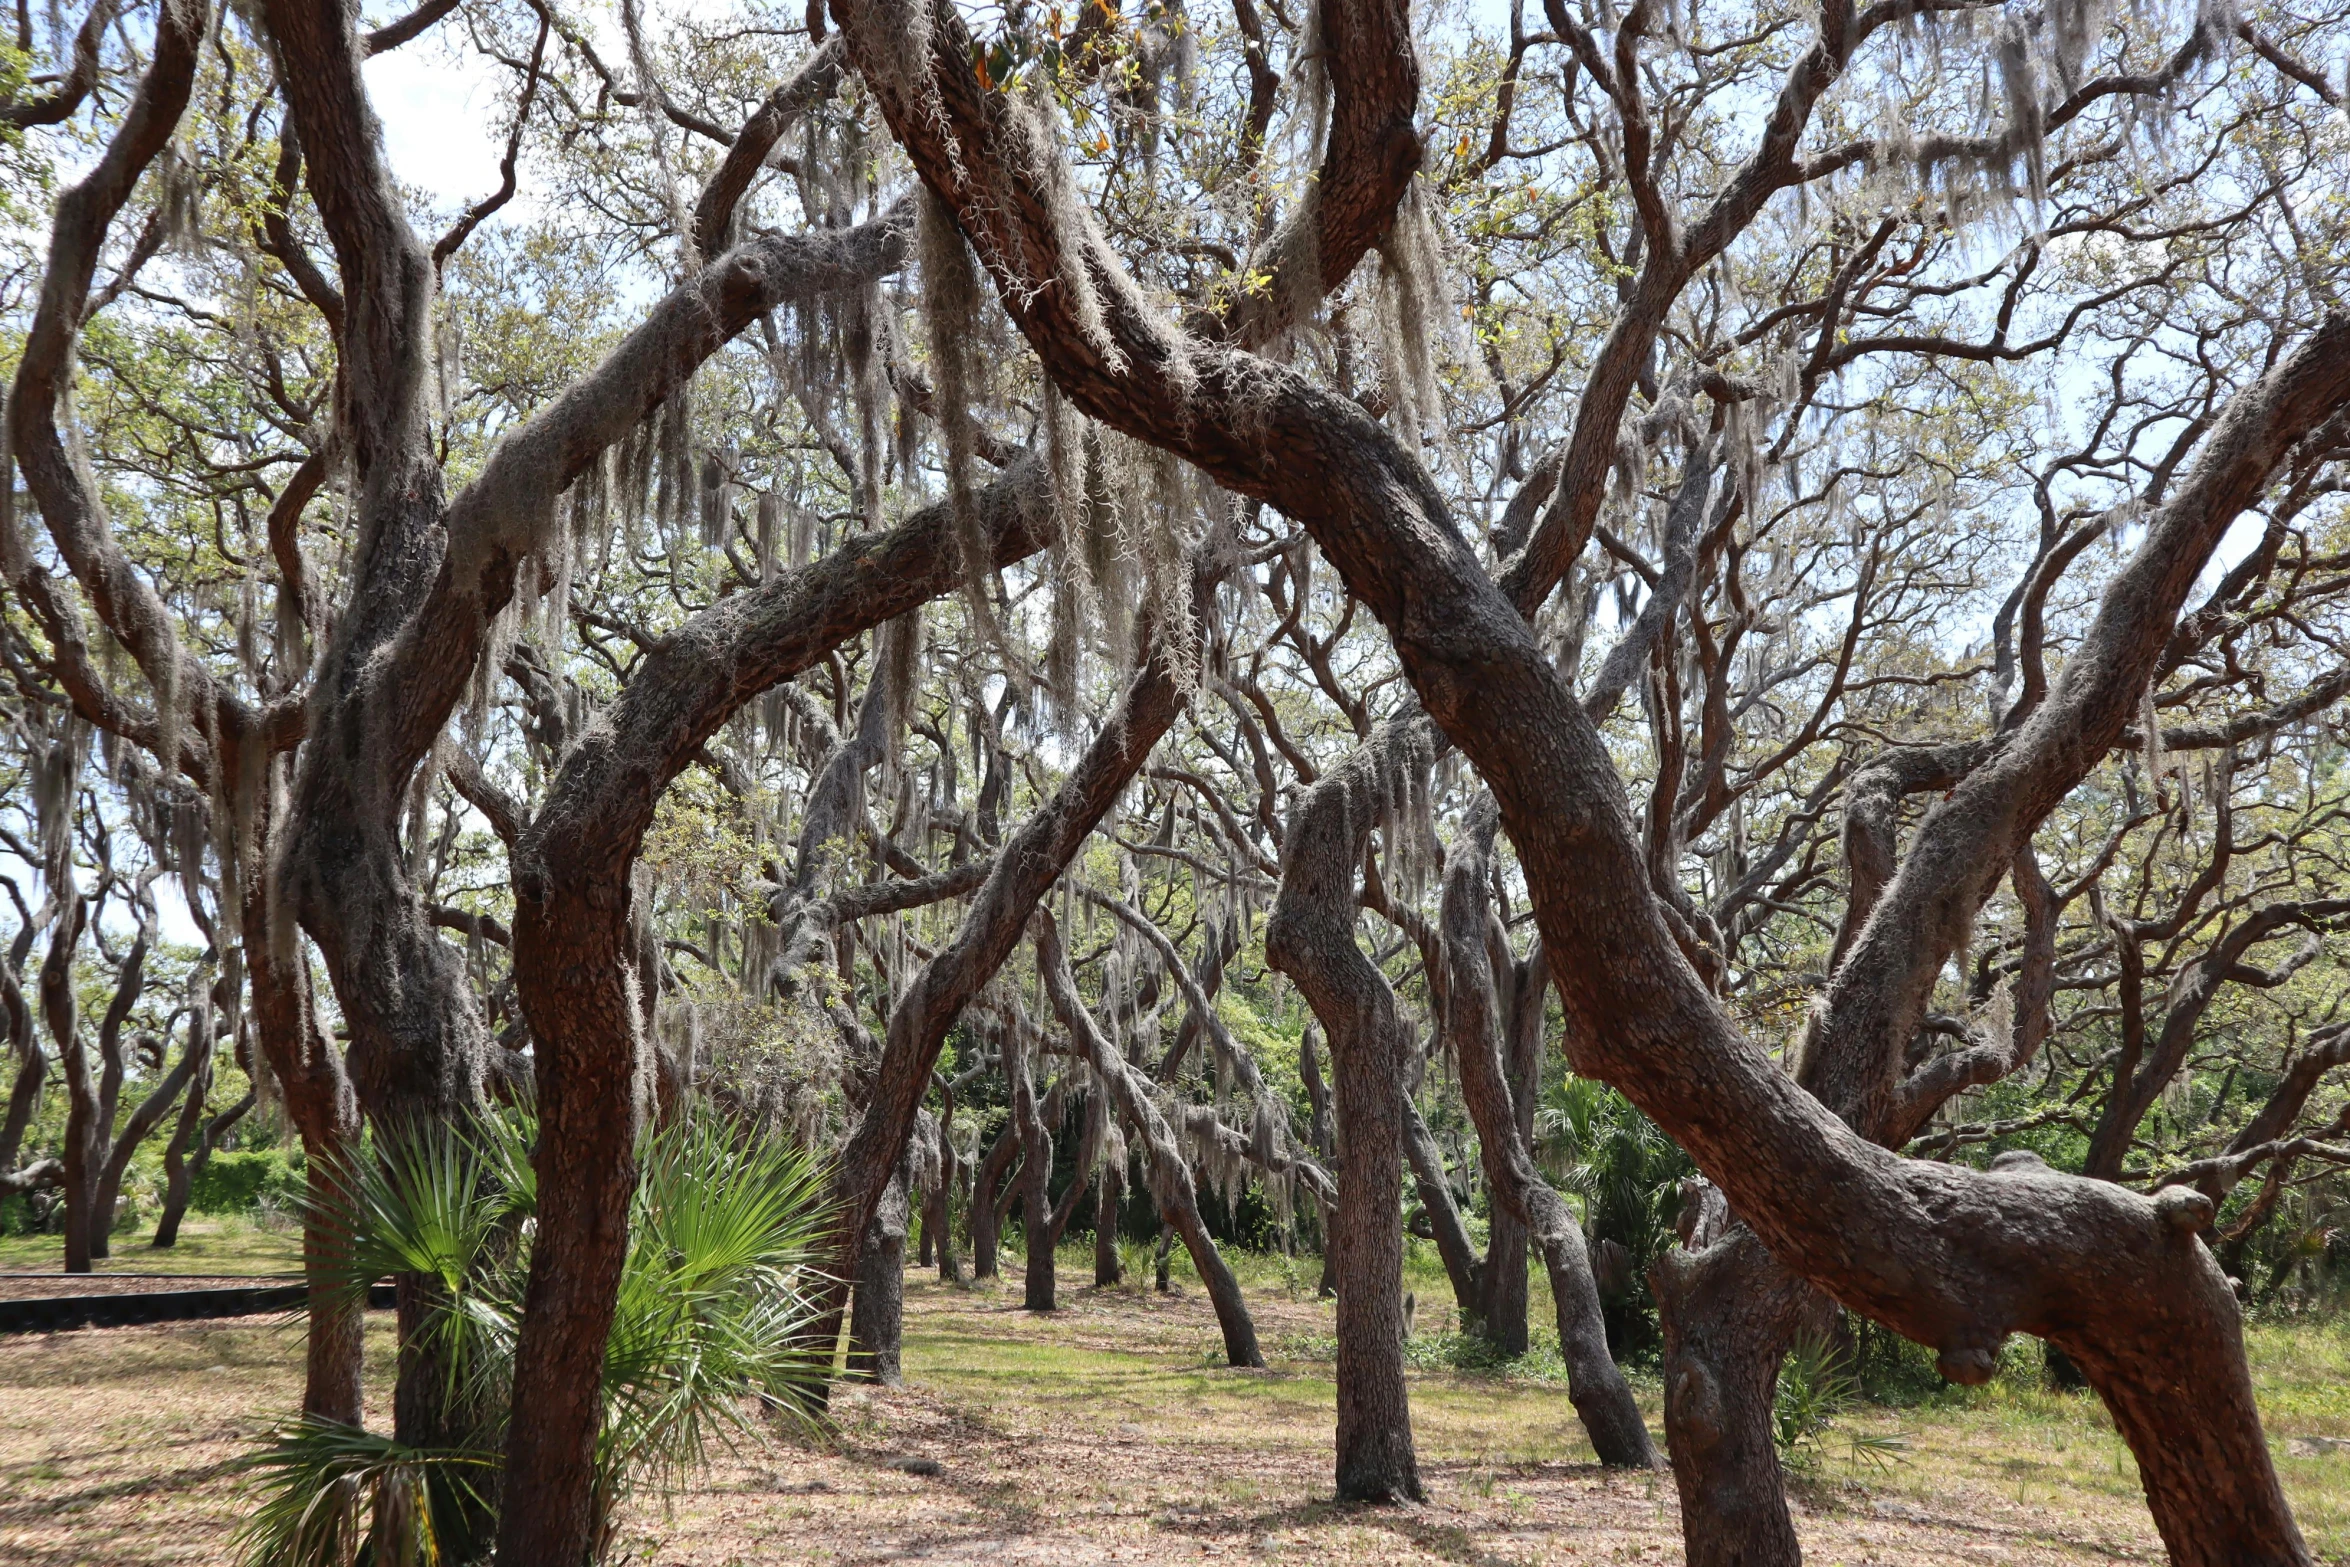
<point>1032,859</point>
<point>1311,938</point>
<point>1462,1265</point>
<point>1602,1399</point>
<point>987,1222</point>
<point>1169,1173</point>
<point>151,1111</point>
<point>24,1044</point>
<point>178,1178</point>
<point>877,1315</point>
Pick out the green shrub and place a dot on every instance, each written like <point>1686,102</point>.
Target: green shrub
<point>710,1333</point>
<point>239,1182</point>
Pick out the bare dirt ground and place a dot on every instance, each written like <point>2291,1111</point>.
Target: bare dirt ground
<point>1104,1433</point>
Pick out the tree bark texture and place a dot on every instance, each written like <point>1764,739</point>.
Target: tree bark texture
<point>1311,938</point>
<point>1109,1195</point>
<point>1950,1257</point>
<point>877,1317</point>
<point>1036,1172</point>
<point>1724,1341</point>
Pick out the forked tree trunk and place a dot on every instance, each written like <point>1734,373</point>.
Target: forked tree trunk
<point>178,1178</point>
<point>105,1180</point>
<point>152,1109</point>
<point>877,1313</point>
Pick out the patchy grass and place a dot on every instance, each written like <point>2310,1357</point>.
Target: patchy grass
<point>1111,1431</point>
<point>210,1244</point>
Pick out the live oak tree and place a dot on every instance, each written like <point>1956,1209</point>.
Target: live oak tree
<point>919,542</point>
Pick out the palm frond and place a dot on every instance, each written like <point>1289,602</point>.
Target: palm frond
<point>329,1495</point>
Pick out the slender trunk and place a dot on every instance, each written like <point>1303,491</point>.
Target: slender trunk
<point>24,1043</point>
<point>105,1181</point>
<point>1169,1174</point>
<point>1036,1172</point>
<point>61,1010</point>
<point>1461,1262</point>
<point>1109,1194</point>
<point>1031,860</point>
<point>877,1311</point>
<point>178,1177</point>
<point>152,1109</point>
<point>986,1222</point>
<point>1602,1399</point>
<point>32,1073</point>
<point>938,1206</point>
<point>1506,1290</point>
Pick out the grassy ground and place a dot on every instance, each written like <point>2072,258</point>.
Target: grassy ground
<point>220,1244</point>
<point>1110,1431</point>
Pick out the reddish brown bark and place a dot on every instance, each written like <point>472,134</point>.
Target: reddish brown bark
<point>1953,1258</point>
